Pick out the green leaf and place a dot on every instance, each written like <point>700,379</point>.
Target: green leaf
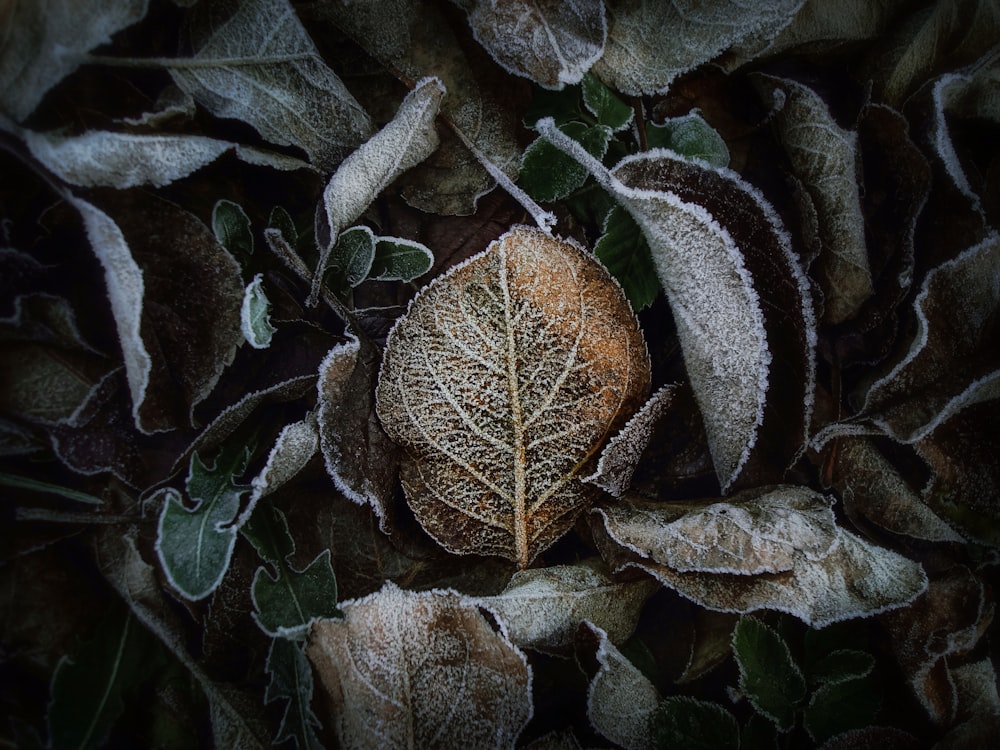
<point>90,691</point>
<point>684,722</point>
<point>561,105</point>
<point>769,677</point>
<point>354,254</point>
<point>758,734</point>
<point>840,706</point>
<point>287,603</point>
<point>255,320</point>
<point>267,530</point>
<point>231,227</point>
<point>292,681</point>
<point>548,174</point>
<point>689,136</point>
<point>397,259</point>
<point>26,483</point>
<point>841,665</point>
<point>604,105</point>
<point>281,220</point>
<point>195,544</point>
<point>624,252</point>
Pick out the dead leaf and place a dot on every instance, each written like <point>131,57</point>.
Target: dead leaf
<point>405,669</point>
<point>285,91</point>
<point>640,58</point>
<point>360,458</point>
<point>42,42</point>
<point>294,447</point>
<point>502,382</point>
<point>824,157</point>
<point>551,42</point>
<point>406,141</point>
<point>541,608</point>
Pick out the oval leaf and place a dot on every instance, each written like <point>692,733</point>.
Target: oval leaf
<point>501,382</point>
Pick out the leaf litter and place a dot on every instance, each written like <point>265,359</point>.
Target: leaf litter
<point>301,413</point>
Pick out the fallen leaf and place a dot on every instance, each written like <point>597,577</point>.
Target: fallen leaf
<point>406,141</point>
<point>541,608</point>
<point>640,59</point>
<point>421,669</point>
<point>43,42</point>
<point>281,87</point>
<point>551,42</point>
<point>255,315</point>
<point>294,447</point>
<point>824,157</point>
<point>501,382</point>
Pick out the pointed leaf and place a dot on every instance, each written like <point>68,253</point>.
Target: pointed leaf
<point>689,136</point>
<point>551,42</point>
<point>292,682</point>
<point>603,104</point>
<point>681,721</point>
<point>769,676</point>
<point>541,608</point>
<point>288,603</point>
<point>231,227</point>
<point>640,59</point>
<point>424,669</point>
<point>43,42</point>
<point>550,175</point>
<point>290,96</point>
<point>255,315</point>
<point>353,254</point>
<point>501,382</point>
<point>294,447</point>
<point>824,157</point>
<point>398,259</point>
<point>406,141</point>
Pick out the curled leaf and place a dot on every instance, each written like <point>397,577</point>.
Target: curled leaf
<point>420,669</point>
<point>255,315</point>
<point>551,42</point>
<point>501,383</point>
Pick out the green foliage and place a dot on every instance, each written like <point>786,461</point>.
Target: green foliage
<point>91,690</point>
<point>603,104</point>
<point>547,174</point>
<point>231,227</point>
<point>281,220</point>
<point>195,544</point>
<point>769,676</point>
<point>689,136</point>
<point>292,681</point>
<point>684,722</point>
<point>397,259</point>
<point>36,485</point>
<point>625,253</point>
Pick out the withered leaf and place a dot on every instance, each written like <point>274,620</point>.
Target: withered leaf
<point>551,42</point>
<point>405,669</point>
<point>824,157</point>
<point>290,96</point>
<point>542,607</point>
<point>501,383</point>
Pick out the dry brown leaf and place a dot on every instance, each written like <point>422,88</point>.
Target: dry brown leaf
<point>405,669</point>
<point>502,382</point>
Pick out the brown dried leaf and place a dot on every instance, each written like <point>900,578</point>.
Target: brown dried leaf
<point>405,669</point>
<point>542,607</point>
<point>502,382</point>
<point>824,157</point>
<point>552,42</point>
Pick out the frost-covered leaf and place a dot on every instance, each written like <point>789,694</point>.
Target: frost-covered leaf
<point>840,706</point>
<point>195,543</point>
<point>353,254</point>
<point>501,382</point>
<point>824,157</point>
<point>640,58</point>
<point>186,296</point>
<point>287,603</point>
<point>623,250</point>
<point>874,491</point>
<point>359,456</point>
<point>44,41</point>
<point>749,534</point>
<point>292,682</point>
<point>621,454</point>
<point>550,175</point>
<point>542,607</point>
<point>604,104</point>
<point>406,141</point>
<point>294,447</point>
<point>255,315</point>
<point>398,259</point>
<point>682,721</point>
<point>123,160</point>
<point>621,701</point>
<point>689,135</point>
<point>414,39</point>
<point>854,579</point>
<point>949,365</point>
<point>739,298</point>
<point>425,669</point>
<point>288,94</point>
<point>549,41</point>
<point>769,676</point>
<point>939,628</point>
<point>231,227</point>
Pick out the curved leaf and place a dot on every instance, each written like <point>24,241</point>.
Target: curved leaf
<point>501,382</point>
